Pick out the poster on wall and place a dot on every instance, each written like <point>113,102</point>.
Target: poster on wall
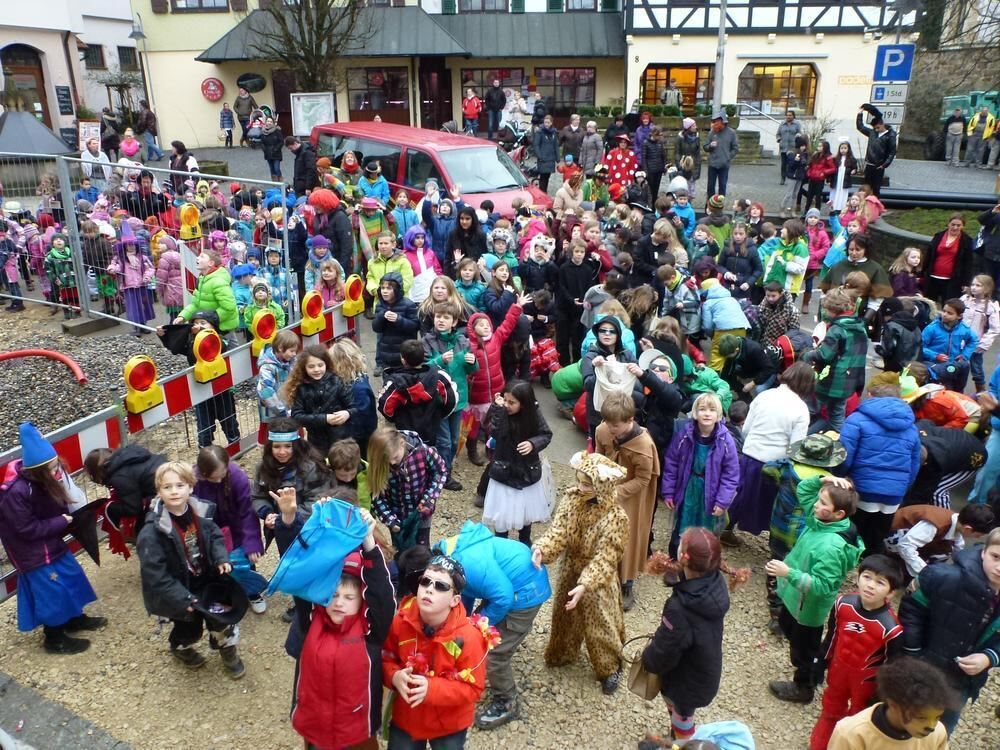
<point>86,130</point>
<point>309,110</point>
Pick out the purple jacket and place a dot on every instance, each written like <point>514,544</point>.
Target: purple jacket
<point>722,470</point>
<point>235,509</point>
<point>31,523</point>
<point>905,284</point>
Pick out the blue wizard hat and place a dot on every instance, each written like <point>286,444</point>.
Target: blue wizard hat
<point>36,450</point>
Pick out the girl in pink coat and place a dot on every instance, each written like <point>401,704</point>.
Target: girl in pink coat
<point>169,281</point>
<point>134,271</point>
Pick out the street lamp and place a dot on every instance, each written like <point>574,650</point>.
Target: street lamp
<point>138,35</point>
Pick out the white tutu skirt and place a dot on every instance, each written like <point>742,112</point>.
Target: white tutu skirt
<point>506,508</point>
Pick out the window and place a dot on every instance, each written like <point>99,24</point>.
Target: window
<point>482,6</point>
<point>775,88</point>
<point>566,89</point>
<point>378,88</point>
<point>93,57</point>
<point>200,5</point>
<point>420,168</point>
<point>366,151</point>
<point>694,82</point>
<point>481,79</point>
<point>581,4</point>
<point>483,169</point>
<point>127,59</point>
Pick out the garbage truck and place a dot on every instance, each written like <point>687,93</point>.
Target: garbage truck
<point>970,103</point>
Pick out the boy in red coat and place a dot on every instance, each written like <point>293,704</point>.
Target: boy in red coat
<point>486,382</point>
<point>337,698</point>
<point>435,661</point>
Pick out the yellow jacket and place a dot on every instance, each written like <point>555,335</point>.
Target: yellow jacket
<point>991,123</point>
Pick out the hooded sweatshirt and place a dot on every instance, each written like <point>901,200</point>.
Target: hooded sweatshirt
<point>440,227</point>
<point>423,262</point>
<point>619,351</point>
<point>488,379</point>
<point>271,375</point>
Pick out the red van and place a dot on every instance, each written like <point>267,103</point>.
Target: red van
<point>410,156</point>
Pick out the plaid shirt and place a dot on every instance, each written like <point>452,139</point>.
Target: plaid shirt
<point>840,358</point>
<point>418,479</point>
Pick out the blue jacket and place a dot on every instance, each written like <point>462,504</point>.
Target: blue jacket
<point>687,217</point>
<point>883,447</point>
<point>498,571</point>
<point>960,341</point>
<point>721,312</point>
<point>378,189</point>
<point>244,298</point>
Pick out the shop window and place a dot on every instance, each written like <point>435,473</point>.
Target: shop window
<point>127,59</point>
<point>572,5</point>
<point>565,90</point>
<point>200,5</point>
<point>774,88</point>
<point>481,79</point>
<point>420,168</point>
<point>378,88</point>
<point>482,6</point>
<point>694,82</point>
<point>93,57</point>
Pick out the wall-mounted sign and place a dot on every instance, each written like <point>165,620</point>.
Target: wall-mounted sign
<point>212,89</point>
<point>87,129</point>
<point>69,136</point>
<point>252,82</point>
<point>64,96</point>
<point>309,110</point>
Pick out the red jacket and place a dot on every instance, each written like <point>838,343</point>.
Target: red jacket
<point>819,245</point>
<point>488,380</point>
<point>605,259</point>
<point>457,647</point>
<point>471,107</point>
<point>819,169</point>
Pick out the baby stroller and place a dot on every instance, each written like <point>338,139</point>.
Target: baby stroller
<point>256,128</point>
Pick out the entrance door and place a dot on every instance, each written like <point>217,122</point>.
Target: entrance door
<point>23,66</point>
<point>435,93</point>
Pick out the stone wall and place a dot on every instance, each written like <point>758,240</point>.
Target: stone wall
<point>939,73</point>
<point>889,241</point>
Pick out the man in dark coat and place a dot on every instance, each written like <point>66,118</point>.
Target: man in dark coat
<point>571,138</point>
<point>496,100</point>
<point>305,177</point>
<point>881,146</point>
<point>144,202</point>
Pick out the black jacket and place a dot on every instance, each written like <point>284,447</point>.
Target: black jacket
<point>750,363</point>
<point>654,156</point>
<point>990,221</point>
<point>611,135</point>
<point>336,227</point>
<point>540,329</point>
<point>417,399</point>
<point>546,143</point>
<point>471,242</point>
<point>142,205</point>
<point>131,472</point>
<point>647,258</point>
<point>393,334</point>
<point>508,430</point>
<point>953,613</point>
<point>686,650</point>
<point>747,268</point>
<point>948,451</point>
<point>298,253</point>
<point>571,140</point>
<point>166,579</point>
<point>589,371</point>
<point>271,144</point>
<point>305,177</point>
<point>314,399</point>
<point>495,99</point>
<point>663,402</point>
<point>538,113</point>
<point>574,281</point>
<point>881,148</point>
<point>901,342</point>
<point>535,276</point>
<point>961,272</point>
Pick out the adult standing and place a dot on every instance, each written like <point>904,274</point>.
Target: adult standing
<point>721,147</point>
<point>472,106</point>
<point>689,144</point>
<point>654,160</point>
<point>95,164</point>
<point>539,111</point>
<point>304,178</point>
<point>948,264</point>
<point>990,222</point>
<point>271,141</point>
<point>496,102</point>
<point>571,138</point>
<point>641,134</point>
<point>591,149</point>
<point>672,96</point>
<point>786,140</point>
<point>980,130</point>
<point>614,130</point>
<point>111,138</point>
<point>181,160</point>
<point>621,162</point>
<point>954,129</point>
<point>569,196</point>
<point>881,146</point>
<point>333,223</point>
<point>243,106</point>
<point>146,126</point>
<point>546,143</point>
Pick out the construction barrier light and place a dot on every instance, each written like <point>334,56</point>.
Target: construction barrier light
<point>264,328</point>
<point>354,304</point>
<point>140,379</point>
<point>209,362</point>
<point>313,319</point>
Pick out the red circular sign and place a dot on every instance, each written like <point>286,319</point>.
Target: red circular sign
<point>142,375</point>
<point>210,347</point>
<point>314,306</point>
<point>212,89</point>
<point>266,325</point>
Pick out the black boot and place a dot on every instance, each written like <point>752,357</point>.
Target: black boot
<point>453,485</point>
<point>85,622</point>
<point>231,660</point>
<point>472,447</point>
<point>792,692</point>
<point>57,642</point>
<point>628,596</point>
<point>190,657</point>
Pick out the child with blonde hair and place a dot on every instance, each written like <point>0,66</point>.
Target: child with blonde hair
<point>905,273</point>
<point>330,283</point>
<point>351,366</point>
<point>982,315</point>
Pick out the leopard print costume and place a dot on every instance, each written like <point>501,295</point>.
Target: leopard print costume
<point>590,534</point>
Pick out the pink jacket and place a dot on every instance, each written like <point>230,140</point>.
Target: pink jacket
<point>137,274</point>
<point>819,245</point>
<point>130,147</point>
<point>169,283</point>
<point>430,260</point>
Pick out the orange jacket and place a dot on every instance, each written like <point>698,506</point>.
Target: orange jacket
<point>455,666</point>
<point>951,409</point>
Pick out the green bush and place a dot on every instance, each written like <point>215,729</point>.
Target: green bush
<point>731,110</point>
<point>672,111</point>
<point>585,111</point>
<point>615,111</point>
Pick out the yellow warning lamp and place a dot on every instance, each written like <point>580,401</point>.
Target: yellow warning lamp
<point>354,304</point>
<point>313,319</point>
<point>209,362</point>
<point>140,379</point>
<point>264,328</point>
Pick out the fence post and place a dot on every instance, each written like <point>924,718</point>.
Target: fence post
<point>66,188</point>
<point>292,290</point>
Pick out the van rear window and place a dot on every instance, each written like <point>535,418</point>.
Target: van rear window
<point>485,169</point>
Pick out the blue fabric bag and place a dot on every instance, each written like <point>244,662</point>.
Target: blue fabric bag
<point>253,583</point>
<point>311,566</point>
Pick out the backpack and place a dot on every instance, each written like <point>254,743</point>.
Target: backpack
<point>789,348</point>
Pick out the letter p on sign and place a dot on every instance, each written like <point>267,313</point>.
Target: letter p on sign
<point>893,63</point>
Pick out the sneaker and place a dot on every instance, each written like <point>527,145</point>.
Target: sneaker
<point>57,642</point>
<point>611,683</point>
<point>498,713</point>
<point>729,538</point>
<point>289,614</point>
<point>231,659</point>
<point>259,605</point>
<point>85,622</point>
<point>791,692</point>
<point>190,657</point>
<point>453,485</point>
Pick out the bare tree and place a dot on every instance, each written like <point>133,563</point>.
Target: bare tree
<point>971,26</point>
<point>311,38</point>
<point>127,86</point>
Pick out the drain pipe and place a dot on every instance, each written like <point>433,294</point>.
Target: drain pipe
<point>58,356</point>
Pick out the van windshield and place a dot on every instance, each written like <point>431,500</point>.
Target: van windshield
<point>485,169</point>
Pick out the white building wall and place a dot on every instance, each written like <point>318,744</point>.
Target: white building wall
<point>47,15</point>
<point>110,33</point>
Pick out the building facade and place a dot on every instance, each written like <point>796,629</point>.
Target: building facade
<point>109,50</point>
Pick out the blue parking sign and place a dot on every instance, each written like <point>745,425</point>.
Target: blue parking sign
<point>893,62</point>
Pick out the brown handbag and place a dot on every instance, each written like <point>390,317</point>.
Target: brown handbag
<point>644,684</point>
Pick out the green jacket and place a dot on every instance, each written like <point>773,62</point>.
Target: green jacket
<point>436,344</point>
<point>820,561</point>
<point>253,308</point>
<point>787,264</point>
<point>215,293</point>
<point>379,267</point>
<point>706,380</point>
<point>841,357</point>
<point>59,267</point>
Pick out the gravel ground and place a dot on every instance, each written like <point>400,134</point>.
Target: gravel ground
<point>129,664</point>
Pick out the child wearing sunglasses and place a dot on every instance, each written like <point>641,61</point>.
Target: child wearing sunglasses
<point>435,661</point>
